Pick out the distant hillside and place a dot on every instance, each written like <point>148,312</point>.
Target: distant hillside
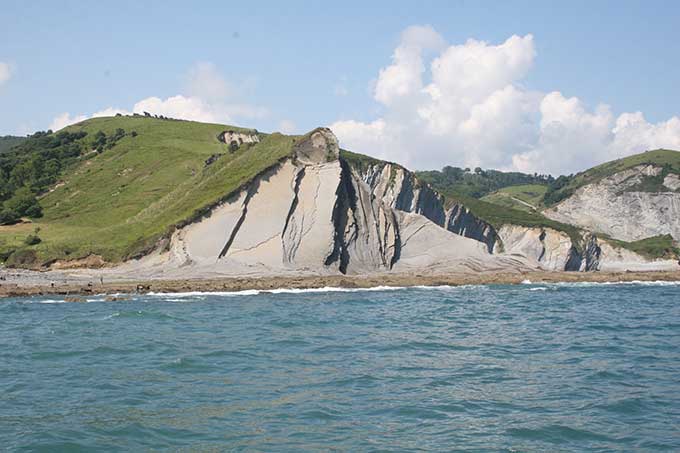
<point>478,182</point>
<point>564,186</point>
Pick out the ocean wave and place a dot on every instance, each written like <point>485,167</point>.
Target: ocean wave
<point>628,283</point>
<point>255,292</point>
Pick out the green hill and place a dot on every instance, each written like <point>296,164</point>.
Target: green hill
<point>118,202</point>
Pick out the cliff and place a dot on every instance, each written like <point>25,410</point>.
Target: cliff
<point>206,199</point>
<point>317,213</point>
<point>620,207</point>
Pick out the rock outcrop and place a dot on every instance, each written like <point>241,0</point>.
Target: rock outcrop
<point>401,190</point>
<point>614,207</point>
<point>552,250</point>
<point>234,138</point>
<point>317,213</point>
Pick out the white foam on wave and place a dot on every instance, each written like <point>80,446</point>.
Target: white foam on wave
<point>331,289</point>
<point>255,292</point>
<point>246,292</point>
<point>449,287</point>
<point>617,283</point>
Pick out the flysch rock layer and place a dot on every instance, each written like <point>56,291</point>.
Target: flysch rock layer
<point>552,250</point>
<point>318,214</point>
<point>610,207</point>
<point>314,213</point>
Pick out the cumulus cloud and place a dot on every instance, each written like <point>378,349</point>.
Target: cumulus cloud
<point>5,72</point>
<point>287,126</point>
<point>466,105</point>
<point>209,98</point>
<point>205,81</point>
<point>65,119</point>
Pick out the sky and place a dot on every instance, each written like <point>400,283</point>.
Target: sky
<point>529,86</point>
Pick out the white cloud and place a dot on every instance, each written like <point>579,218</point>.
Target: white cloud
<point>287,126</point>
<point>65,119</point>
<point>209,99</point>
<point>5,72</point>
<point>206,82</point>
<point>471,109</point>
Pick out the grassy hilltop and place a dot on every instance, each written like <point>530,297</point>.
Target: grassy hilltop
<point>120,201</point>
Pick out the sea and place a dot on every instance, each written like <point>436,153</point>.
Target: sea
<point>499,368</point>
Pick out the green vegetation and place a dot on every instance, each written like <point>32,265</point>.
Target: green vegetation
<point>359,161</point>
<point>498,215</point>
<point>662,246</point>
<point>118,203</point>
<point>9,141</point>
<point>528,197</point>
<point>478,183</point>
<point>564,186</point>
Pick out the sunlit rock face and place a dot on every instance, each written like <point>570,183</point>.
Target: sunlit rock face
<point>614,207</point>
<point>318,213</point>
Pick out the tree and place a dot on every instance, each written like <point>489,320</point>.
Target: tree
<point>24,203</point>
<point>32,239</point>
<point>8,217</point>
<point>99,141</point>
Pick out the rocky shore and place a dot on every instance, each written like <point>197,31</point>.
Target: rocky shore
<point>26,283</point>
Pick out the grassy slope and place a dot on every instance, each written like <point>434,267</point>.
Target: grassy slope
<point>528,193</point>
<point>122,201</point>
<point>662,246</point>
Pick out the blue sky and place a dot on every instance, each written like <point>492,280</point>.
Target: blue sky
<point>297,65</point>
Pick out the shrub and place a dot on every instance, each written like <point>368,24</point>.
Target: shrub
<point>9,216</point>
<point>22,258</point>
<point>24,203</point>
<point>32,239</point>
<point>34,211</point>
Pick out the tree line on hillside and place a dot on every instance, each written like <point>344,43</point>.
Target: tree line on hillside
<point>478,182</point>
<point>31,167</point>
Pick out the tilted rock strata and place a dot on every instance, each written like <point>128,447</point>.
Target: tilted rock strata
<point>552,250</point>
<point>609,207</point>
<point>316,213</point>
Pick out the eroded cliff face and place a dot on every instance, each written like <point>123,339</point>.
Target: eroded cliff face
<point>401,190</point>
<point>552,250</point>
<point>316,213</point>
<point>613,206</point>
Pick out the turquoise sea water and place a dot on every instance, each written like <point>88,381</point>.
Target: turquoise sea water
<point>580,367</point>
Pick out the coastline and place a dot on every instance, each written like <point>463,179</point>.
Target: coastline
<point>231,284</point>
